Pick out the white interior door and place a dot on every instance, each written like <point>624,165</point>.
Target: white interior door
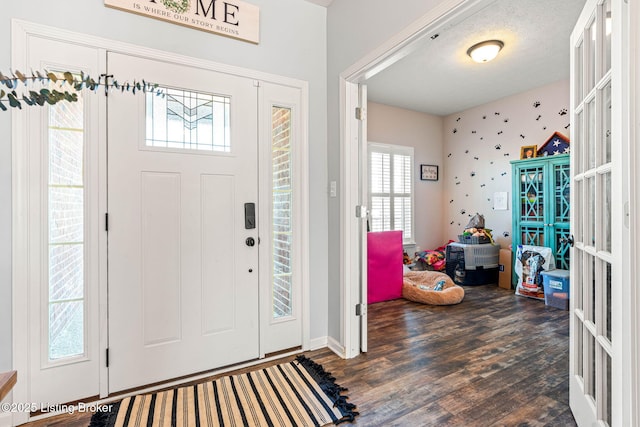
<point>183,257</point>
<point>596,259</point>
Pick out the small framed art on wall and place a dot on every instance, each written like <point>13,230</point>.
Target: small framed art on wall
<point>429,172</point>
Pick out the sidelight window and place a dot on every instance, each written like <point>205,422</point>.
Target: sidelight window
<point>66,237</point>
<point>282,219</point>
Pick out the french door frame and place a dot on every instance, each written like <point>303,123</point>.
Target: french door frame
<point>21,32</point>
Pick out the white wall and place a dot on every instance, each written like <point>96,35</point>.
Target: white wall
<point>293,43</point>
<point>475,168</point>
<point>423,132</point>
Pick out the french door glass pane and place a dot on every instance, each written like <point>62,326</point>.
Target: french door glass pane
<point>607,36</point>
<point>591,355</point>
<point>608,302</point>
<point>589,281</point>
<point>606,128</point>
<point>577,294</point>
<point>606,212</point>
<point>578,193</point>
<point>591,70</point>
<point>578,136</point>
<point>282,227</point>
<point>66,211</point>
<point>607,390</point>
<point>590,232</point>
<point>579,353</point>
<point>579,75</point>
<point>590,137</point>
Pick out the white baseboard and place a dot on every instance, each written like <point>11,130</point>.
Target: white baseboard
<point>336,347</point>
<point>318,343</point>
<point>6,419</point>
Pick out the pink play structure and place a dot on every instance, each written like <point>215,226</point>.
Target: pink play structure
<point>384,266</point>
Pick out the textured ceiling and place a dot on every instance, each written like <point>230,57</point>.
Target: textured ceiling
<point>439,78</point>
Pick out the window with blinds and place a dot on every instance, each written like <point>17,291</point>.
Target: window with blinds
<point>391,189</point>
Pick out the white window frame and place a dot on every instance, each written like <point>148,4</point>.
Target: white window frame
<point>394,149</point>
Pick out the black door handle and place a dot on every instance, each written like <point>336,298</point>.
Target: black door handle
<point>250,241</point>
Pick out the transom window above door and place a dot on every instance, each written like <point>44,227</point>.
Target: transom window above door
<point>186,120</point>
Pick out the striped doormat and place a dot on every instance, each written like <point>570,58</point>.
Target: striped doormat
<point>298,393</point>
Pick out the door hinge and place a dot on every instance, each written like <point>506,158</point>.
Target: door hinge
<point>361,211</point>
<point>107,356</point>
<point>361,309</point>
<point>361,113</point>
<point>106,222</point>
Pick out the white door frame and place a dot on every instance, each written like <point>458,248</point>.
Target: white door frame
<point>626,409</point>
<point>21,31</point>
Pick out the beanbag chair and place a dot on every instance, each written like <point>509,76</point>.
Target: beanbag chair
<point>415,282</point>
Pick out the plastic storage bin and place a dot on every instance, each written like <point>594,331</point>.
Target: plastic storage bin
<point>556,288</point>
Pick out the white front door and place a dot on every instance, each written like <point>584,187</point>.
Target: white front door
<point>183,241</point>
<point>596,197</point>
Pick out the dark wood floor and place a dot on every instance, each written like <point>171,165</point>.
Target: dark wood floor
<point>493,360</point>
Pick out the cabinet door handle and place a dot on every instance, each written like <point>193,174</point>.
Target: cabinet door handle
<point>569,240</point>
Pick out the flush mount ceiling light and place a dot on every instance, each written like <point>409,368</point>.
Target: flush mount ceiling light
<point>485,51</point>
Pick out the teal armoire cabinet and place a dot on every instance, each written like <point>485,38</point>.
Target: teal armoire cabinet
<point>541,190</point>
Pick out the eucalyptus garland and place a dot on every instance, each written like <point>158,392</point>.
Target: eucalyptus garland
<point>177,6</point>
<point>56,87</point>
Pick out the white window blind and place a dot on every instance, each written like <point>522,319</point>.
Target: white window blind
<point>391,189</point>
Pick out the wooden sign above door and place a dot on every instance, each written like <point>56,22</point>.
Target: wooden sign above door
<point>232,18</point>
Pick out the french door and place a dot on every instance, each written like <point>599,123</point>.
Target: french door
<point>597,184</point>
<point>183,236</point>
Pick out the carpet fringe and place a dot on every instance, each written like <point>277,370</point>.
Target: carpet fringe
<point>334,391</point>
<point>105,419</point>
